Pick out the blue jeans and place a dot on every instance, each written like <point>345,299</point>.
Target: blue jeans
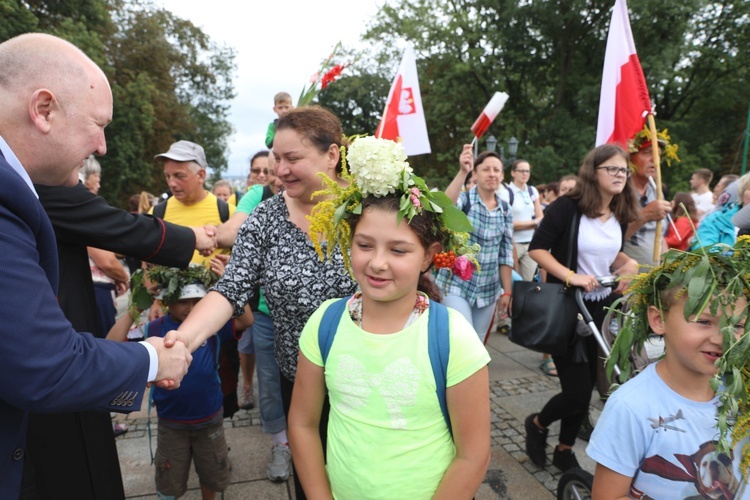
<point>269,388</point>
<point>479,317</point>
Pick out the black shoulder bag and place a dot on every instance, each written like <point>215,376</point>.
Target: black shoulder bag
<point>544,315</point>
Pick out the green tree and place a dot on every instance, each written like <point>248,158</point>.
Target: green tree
<point>169,81</point>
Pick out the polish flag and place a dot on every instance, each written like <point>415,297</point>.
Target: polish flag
<point>489,113</point>
<point>403,119</point>
<point>624,102</point>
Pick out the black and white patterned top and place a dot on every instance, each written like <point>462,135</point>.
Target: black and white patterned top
<point>276,254</point>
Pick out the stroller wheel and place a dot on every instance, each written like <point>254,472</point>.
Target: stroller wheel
<point>575,484</point>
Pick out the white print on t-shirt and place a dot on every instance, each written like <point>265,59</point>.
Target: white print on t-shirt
<point>663,423</point>
<point>397,385</point>
<point>708,470</point>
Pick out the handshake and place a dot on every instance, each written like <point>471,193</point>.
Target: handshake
<point>173,362</point>
<point>205,239</point>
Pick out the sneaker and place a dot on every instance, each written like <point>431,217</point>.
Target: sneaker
<point>564,459</point>
<point>536,441</point>
<point>247,401</point>
<point>281,463</point>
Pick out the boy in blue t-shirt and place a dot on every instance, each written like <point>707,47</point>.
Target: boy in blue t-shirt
<point>658,436</point>
<point>191,417</point>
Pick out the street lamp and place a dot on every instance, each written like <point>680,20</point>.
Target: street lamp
<point>513,148</point>
<point>491,143</point>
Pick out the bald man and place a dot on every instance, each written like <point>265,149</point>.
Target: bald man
<point>56,103</point>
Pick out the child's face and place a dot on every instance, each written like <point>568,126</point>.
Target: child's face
<point>694,345</point>
<point>222,192</point>
<point>387,257</point>
<point>179,310</point>
<point>281,108</point>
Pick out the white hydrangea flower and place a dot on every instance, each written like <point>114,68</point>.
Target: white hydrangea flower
<point>377,165</point>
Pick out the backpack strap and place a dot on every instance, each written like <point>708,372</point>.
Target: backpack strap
<point>530,190</point>
<point>511,195</point>
<point>160,209</point>
<point>466,208</point>
<point>267,193</point>
<point>439,348</point>
<point>223,207</point>
<point>152,330</point>
<point>328,326</point>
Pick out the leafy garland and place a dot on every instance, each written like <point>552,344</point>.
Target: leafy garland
<point>669,153</point>
<point>170,280</point>
<point>379,168</point>
<point>715,277</point>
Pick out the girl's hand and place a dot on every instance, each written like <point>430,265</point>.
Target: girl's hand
<point>466,159</point>
<point>585,281</point>
<point>219,263</point>
<point>630,268</point>
<point>504,306</point>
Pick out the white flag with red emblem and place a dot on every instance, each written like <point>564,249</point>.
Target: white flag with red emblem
<point>403,119</point>
<point>624,102</point>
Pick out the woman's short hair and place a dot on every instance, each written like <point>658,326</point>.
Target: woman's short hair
<point>316,124</point>
<point>90,167</point>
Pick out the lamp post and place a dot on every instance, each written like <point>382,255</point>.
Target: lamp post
<point>491,143</point>
<point>512,148</point>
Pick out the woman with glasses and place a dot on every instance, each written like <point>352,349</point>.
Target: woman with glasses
<point>527,214</point>
<point>601,205</point>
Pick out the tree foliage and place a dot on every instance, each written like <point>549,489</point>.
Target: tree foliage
<point>548,56</point>
<point>169,81</point>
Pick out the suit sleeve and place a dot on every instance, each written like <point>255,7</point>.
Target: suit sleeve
<point>80,217</point>
<point>45,365</point>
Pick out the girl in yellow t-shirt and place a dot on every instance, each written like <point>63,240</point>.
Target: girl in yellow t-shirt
<point>387,436</point>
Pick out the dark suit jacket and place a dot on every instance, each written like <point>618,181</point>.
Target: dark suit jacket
<point>76,452</point>
<point>45,366</point>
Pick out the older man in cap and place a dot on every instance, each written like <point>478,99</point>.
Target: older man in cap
<point>56,103</point>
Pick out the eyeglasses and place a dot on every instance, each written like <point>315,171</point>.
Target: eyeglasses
<point>615,171</point>
<point>522,171</point>
<point>256,171</point>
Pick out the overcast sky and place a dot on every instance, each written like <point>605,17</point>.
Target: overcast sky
<point>278,45</point>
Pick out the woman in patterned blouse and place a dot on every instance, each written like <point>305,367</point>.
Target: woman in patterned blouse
<point>274,251</point>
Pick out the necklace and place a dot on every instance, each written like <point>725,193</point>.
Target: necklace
<point>421,304</point>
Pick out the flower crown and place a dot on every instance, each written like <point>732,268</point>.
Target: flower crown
<point>170,280</point>
<point>715,277</point>
<point>643,139</point>
<point>378,167</point>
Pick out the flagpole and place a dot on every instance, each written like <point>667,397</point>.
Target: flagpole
<point>659,193</point>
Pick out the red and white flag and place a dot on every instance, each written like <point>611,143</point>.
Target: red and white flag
<point>624,102</point>
<point>489,113</point>
<point>403,119</point>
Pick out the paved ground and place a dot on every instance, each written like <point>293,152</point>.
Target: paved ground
<point>518,388</point>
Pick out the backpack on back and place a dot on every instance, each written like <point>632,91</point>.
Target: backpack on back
<point>438,344</point>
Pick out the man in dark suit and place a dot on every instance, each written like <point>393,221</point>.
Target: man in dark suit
<point>56,103</point>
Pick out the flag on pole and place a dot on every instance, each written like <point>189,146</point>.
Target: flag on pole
<point>489,113</point>
<point>403,118</point>
<point>624,102</point>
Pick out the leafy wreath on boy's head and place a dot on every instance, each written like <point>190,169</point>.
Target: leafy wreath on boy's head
<point>712,277</point>
<point>171,281</point>
<point>378,167</point>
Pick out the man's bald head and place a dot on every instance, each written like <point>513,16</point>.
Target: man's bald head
<point>51,93</point>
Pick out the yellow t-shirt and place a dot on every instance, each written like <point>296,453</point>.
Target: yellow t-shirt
<point>199,214</point>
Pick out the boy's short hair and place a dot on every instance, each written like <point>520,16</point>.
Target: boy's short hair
<point>281,97</point>
<point>222,183</point>
<point>704,174</point>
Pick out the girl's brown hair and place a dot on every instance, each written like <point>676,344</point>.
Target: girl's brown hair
<point>586,192</point>
<point>687,200</point>
<point>316,124</point>
<point>425,225</point>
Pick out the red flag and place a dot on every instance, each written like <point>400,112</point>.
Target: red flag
<point>489,113</point>
<point>624,102</point>
<point>403,118</point>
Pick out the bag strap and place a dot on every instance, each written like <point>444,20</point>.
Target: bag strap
<point>223,208</point>
<point>438,344</point>
<point>572,240</point>
<point>466,207</point>
<point>160,209</point>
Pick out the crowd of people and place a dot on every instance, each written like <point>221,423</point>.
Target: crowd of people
<point>356,297</point>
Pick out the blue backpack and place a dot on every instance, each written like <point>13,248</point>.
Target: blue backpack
<point>438,344</point>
